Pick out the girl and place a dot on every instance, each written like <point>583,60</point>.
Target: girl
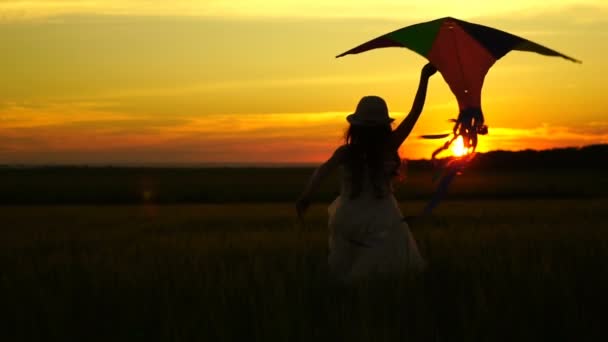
<point>367,233</point>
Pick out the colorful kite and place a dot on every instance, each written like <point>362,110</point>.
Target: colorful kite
<point>463,53</point>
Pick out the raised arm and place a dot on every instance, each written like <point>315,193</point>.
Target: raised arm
<point>317,178</point>
<point>405,127</point>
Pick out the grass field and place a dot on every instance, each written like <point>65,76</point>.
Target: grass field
<point>108,185</point>
<point>510,270</point>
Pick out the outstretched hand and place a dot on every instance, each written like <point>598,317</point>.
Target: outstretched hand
<point>428,70</point>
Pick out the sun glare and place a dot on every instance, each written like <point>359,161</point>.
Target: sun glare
<point>458,148</point>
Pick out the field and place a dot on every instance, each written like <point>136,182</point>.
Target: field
<point>498,270</point>
<point>109,185</point>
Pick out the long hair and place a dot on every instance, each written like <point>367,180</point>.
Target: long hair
<point>370,146</point>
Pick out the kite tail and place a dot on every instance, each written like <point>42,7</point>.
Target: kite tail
<point>442,189</point>
<point>443,148</point>
<point>468,125</point>
<point>452,168</point>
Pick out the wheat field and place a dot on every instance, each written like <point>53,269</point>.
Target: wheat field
<point>498,270</point>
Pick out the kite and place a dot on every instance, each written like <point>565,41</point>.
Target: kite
<point>463,52</point>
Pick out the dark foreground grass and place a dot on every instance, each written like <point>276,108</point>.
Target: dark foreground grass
<point>109,185</point>
<point>498,270</point>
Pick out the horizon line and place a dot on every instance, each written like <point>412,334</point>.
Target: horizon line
<point>235,164</point>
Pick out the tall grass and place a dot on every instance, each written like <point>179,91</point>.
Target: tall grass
<point>498,270</point>
<point>79,185</point>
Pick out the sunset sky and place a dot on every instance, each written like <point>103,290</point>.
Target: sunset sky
<point>223,81</point>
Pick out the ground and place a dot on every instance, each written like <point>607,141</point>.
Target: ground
<point>519,269</point>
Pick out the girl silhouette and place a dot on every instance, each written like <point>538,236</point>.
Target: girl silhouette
<point>367,233</point>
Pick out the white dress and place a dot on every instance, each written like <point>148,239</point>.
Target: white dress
<point>368,235</point>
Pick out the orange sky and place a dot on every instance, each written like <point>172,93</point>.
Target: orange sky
<point>257,81</point>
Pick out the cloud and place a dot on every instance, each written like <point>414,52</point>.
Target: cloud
<point>18,9</point>
<point>547,136</point>
<point>112,95</point>
<point>163,64</point>
<point>30,135</point>
<point>77,133</point>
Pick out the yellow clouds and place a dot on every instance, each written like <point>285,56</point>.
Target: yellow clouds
<point>83,133</point>
<point>20,9</point>
<point>16,9</point>
<point>74,133</point>
<point>548,136</point>
<point>391,9</point>
<point>220,81</point>
<point>306,137</point>
<point>513,139</point>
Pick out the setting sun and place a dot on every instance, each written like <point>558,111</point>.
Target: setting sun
<point>458,148</point>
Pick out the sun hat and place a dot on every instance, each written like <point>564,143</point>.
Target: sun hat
<point>371,111</point>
